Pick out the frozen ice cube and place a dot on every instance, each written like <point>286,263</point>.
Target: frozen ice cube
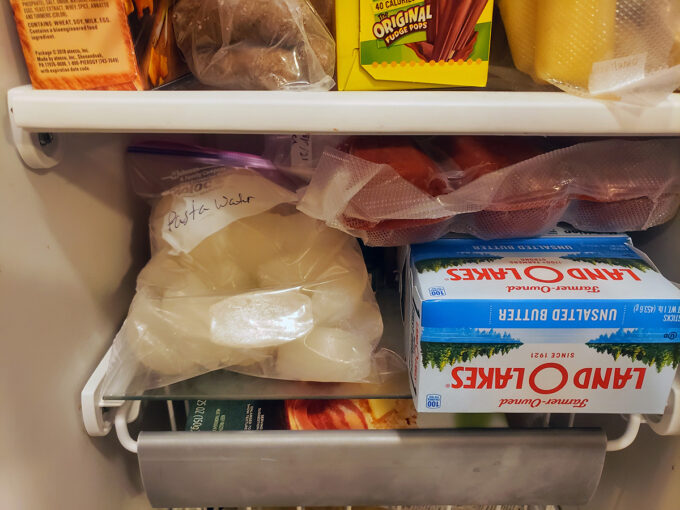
<point>300,233</point>
<point>337,298</point>
<point>172,335</point>
<point>252,241</point>
<point>167,275</point>
<point>365,322</point>
<point>227,277</point>
<point>338,289</point>
<point>216,262</point>
<point>288,270</point>
<point>261,319</point>
<point>325,355</point>
<point>279,272</point>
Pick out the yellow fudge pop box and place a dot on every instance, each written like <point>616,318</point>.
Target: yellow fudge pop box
<point>407,44</point>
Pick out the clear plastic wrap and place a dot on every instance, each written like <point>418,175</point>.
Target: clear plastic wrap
<point>326,11</point>
<point>297,155</point>
<point>255,44</point>
<point>611,49</point>
<point>158,166</point>
<point>600,186</point>
<point>239,279</point>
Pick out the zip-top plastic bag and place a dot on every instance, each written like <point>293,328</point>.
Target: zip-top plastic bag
<point>156,166</point>
<point>239,279</point>
<point>625,50</point>
<point>298,154</point>
<point>388,191</point>
<point>255,44</point>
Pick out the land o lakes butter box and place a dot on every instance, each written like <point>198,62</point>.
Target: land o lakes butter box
<point>561,323</point>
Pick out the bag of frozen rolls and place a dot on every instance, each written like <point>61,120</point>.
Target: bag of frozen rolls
<point>239,279</point>
<point>256,44</point>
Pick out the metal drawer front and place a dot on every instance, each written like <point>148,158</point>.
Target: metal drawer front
<point>370,467</point>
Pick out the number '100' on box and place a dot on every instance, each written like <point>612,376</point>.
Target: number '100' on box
<point>561,323</point>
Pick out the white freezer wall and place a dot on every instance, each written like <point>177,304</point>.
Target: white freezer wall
<point>66,278</point>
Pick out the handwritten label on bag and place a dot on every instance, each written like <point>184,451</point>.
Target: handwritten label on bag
<point>186,220</point>
<point>617,73</point>
<point>301,151</point>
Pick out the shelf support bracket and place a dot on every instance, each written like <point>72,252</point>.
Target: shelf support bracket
<point>38,150</point>
<point>631,432</point>
<point>668,423</point>
<point>124,416</point>
<point>98,415</point>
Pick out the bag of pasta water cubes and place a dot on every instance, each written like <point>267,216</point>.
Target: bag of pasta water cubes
<point>239,279</point>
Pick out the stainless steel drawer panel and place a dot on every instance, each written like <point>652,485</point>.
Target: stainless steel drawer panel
<point>371,467</point>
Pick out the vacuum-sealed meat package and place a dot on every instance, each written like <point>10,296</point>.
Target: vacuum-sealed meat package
<point>255,44</point>
<point>239,279</point>
<point>393,191</point>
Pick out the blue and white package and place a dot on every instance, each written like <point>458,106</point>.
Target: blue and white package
<point>560,323</point>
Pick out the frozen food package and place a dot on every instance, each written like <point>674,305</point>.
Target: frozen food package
<point>239,279</point>
<point>323,414</point>
<point>156,166</point>
<point>413,44</point>
<point>611,49</point>
<point>564,323</point>
<point>255,44</point>
<point>313,414</point>
<point>392,191</point>
<point>121,45</point>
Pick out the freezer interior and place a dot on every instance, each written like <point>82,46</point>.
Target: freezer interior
<point>73,240</point>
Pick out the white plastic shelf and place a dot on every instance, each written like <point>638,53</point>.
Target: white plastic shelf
<point>408,112</point>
